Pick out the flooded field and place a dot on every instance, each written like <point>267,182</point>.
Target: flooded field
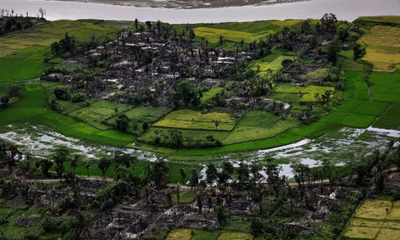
<point>338,147</point>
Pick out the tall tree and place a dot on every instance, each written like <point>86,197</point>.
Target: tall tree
<point>211,174</point>
<point>103,164</point>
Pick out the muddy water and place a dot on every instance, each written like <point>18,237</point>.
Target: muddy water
<point>344,9</point>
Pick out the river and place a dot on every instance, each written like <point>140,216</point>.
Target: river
<point>344,10</point>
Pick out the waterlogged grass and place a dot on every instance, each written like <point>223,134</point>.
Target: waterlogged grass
<point>390,119</point>
<point>189,119</point>
<point>31,108</point>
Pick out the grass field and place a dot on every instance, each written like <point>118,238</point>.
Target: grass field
<point>257,125</point>
<point>275,65</point>
<point>210,93</point>
<point>25,49</point>
<point>390,119</point>
<point>189,119</point>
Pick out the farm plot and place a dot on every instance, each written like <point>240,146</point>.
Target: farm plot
<point>355,85</point>
<point>390,119</point>
<point>190,137</point>
<point>98,113</point>
<point>386,87</point>
<point>310,91</point>
<point>384,60</point>
<point>147,114</point>
<point>349,105</point>
<point>189,234</point>
<point>188,119</point>
<point>336,117</point>
<point>375,219</point>
<point>382,36</point>
<point>370,108</point>
<point>358,120</point>
<point>257,125</point>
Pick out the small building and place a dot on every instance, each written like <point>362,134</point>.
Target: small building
<point>345,46</point>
